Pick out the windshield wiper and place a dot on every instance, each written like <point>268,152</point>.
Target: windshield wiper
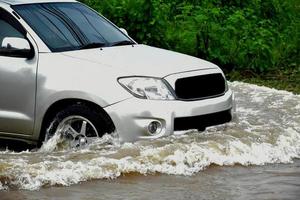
<point>121,43</point>
<point>93,45</point>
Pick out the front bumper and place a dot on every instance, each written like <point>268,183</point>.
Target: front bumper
<point>132,116</point>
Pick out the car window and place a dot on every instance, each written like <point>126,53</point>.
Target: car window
<point>8,30</point>
<point>95,28</point>
<point>49,26</point>
<point>69,26</point>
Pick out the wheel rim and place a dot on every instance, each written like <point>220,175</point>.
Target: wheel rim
<point>77,131</point>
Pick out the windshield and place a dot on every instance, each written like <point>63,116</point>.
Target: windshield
<point>71,26</point>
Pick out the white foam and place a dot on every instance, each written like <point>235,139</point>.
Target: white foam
<point>257,88</point>
<point>173,159</point>
<point>260,136</point>
<point>51,144</point>
<point>3,187</point>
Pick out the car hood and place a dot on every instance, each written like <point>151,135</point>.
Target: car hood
<point>142,60</point>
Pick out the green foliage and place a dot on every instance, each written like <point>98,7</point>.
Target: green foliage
<point>257,35</point>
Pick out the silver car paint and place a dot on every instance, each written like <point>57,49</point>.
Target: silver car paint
<point>133,116</point>
<point>92,75</point>
<point>142,60</point>
<point>65,77</point>
<point>18,90</point>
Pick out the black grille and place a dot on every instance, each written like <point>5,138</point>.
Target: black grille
<point>199,87</point>
<point>203,121</point>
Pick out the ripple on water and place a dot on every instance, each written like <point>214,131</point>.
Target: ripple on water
<point>266,130</point>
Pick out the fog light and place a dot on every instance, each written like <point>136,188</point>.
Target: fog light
<point>82,141</point>
<point>154,127</point>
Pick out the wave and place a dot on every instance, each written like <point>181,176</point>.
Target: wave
<point>266,131</point>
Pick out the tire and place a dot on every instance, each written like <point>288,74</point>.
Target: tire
<point>97,121</point>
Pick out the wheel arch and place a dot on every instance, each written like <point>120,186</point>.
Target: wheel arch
<point>59,105</point>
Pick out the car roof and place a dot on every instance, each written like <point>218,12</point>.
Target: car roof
<point>19,2</point>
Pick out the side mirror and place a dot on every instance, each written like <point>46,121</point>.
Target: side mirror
<point>16,47</point>
<point>124,31</point>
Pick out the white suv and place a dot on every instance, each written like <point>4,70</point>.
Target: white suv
<point>65,68</point>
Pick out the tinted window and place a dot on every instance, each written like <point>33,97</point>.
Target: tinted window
<point>69,26</point>
<point>7,30</point>
<point>95,28</point>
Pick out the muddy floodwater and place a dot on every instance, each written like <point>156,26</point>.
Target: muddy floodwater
<point>254,157</point>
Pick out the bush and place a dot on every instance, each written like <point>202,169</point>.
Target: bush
<point>260,35</point>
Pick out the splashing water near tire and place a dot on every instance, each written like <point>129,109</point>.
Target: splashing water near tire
<point>265,131</point>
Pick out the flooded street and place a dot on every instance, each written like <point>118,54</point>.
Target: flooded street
<point>254,157</point>
<point>276,181</point>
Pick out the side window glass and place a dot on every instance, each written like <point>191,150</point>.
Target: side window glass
<point>8,30</point>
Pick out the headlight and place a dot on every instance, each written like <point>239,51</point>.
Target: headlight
<point>226,85</point>
<point>147,88</point>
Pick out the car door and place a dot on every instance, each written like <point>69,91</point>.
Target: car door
<point>17,82</point>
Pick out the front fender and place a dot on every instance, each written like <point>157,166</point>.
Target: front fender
<point>61,77</point>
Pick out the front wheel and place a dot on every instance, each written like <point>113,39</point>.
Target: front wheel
<point>77,125</point>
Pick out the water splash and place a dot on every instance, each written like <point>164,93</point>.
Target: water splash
<point>52,144</point>
<point>3,187</point>
<point>267,130</point>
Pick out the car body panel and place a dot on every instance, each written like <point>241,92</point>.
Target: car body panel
<point>63,77</point>
<point>17,102</point>
<point>132,116</point>
<point>142,60</point>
